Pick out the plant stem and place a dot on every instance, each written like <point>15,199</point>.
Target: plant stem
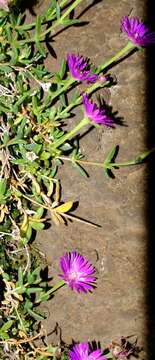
<point>56,287</point>
<point>92,88</point>
<point>32,25</point>
<point>70,134</point>
<point>60,91</point>
<point>59,21</point>
<point>53,210</point>
<point>53,26</point>
<point>20,320</point>
<point>120,54</point>
<point>4,233</point>
<point>137,161</point>
<point>82,162</point>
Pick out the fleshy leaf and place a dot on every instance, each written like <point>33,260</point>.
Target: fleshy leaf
<point>64,207</point>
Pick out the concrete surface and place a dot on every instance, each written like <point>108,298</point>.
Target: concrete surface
<point>118,249</point>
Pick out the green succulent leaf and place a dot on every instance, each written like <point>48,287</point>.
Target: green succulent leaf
<point>6,326</point>
<point>111,155</point>
<point>62,69</point>
<point>20,276</point>
<point>35,315</point>
<point>37,226</point>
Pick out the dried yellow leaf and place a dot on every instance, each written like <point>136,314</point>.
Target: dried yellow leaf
<point>24,223</point>
<point>57,192</point>
<point>64,207</point>
<point>57,219</point>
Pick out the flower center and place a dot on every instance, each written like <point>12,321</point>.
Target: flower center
<point>73,275</point>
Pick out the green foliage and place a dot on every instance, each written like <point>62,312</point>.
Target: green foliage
<point>23,288</point>
<point>33,106</point>
<point>30,122</point>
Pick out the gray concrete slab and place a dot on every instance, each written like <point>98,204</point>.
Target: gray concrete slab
<point>117,306</point>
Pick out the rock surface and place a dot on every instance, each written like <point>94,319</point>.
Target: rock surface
<point>118,247</point>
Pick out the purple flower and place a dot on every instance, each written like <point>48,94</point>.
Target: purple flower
<point>77,272</point>
<point>82,351</point>
<point>136,31</point>
<point>78,67</point>
<point>96,114</point>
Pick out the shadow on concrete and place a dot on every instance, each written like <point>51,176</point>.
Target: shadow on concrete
<point>83,12</point>
<point>27,5</point>
<point>94,2</point>
<point>150,206</point>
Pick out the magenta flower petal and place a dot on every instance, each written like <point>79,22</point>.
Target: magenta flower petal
<point>137,32</point>
<point>78,67</point>
<point>77,272</point>
<point>96,114</point>
<point>82,351</point>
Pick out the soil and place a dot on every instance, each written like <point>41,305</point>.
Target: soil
<point>118,247</point>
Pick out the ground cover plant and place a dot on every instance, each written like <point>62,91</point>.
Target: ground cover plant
<point>34,142</point>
